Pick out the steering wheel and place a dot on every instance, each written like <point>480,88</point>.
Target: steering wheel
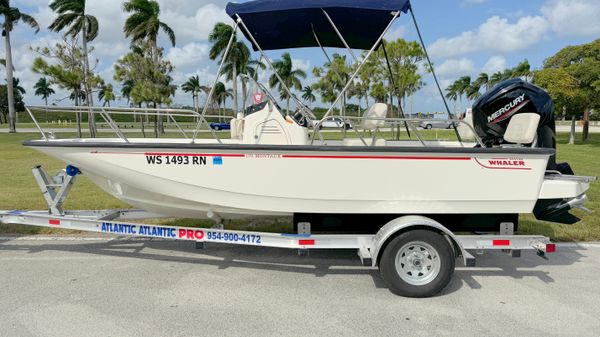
<point>301,116</point>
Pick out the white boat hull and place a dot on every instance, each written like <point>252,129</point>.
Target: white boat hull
<point>251,181</point>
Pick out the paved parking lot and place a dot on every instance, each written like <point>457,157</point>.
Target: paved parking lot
<point>162,288</point>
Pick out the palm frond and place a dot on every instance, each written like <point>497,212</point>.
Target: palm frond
<point>92,28</point>
<point>170,33</point>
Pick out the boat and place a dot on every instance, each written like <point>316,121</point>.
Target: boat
<point>274,162</point>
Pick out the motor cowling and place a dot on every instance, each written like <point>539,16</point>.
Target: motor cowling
<point>494,109</point>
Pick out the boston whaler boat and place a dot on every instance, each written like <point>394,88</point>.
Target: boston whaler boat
<point>278,164</point>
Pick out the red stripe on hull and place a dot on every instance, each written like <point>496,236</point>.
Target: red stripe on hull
<point>374,157</point>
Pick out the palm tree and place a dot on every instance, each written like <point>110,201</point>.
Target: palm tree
<point>42,88</point>
<point>107,94</point>
<point>237,58</point>
<point>12,16</point>
<point>472,91</point>
<point>289,75</point>
<point>17,86</point>
<point>496,78</point>
<point>463,85</point>
<point>452,93</point>
<point>193,86</point>
<point>144,23</point>
<point>126,89</point>
<point>308,94</point>
<point>221,94</point>
<point>523,69</point>
<point>73,18</point>
<point>483,81</point>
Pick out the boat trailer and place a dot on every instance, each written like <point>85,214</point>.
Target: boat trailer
<point>410,245</point>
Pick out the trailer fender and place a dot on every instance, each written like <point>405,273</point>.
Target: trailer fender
<point>410,222</point>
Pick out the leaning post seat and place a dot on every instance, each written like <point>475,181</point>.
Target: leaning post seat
<point>522,129</point>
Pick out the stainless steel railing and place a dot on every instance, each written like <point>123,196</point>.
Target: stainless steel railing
<point>106,114</point>
<point>356,122</point>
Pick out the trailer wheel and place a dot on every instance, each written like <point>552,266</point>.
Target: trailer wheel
<point>417,263</point>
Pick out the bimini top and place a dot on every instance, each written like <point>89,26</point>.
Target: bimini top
<point>283,24</point>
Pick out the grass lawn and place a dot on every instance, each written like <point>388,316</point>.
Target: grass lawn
<point>19,190</point>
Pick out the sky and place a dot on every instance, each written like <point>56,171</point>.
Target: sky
<point>463,37</point>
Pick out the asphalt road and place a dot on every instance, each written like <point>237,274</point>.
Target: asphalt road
<point>163,288</point>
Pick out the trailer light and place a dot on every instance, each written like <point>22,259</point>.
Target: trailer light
<point>501,242</point>
<point>54,222</point>
<point>306,242</point>
<point>550,248</point>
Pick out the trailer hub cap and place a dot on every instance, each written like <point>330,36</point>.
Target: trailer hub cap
<point>417,263</point>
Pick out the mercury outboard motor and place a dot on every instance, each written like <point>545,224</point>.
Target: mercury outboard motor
<point>492,113</point>
<point>494,109</point>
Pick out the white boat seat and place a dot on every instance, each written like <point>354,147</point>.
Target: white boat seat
<point>236,128</point>
<point>377,110</point>
<point>522,128</point>
<point>465,128</point>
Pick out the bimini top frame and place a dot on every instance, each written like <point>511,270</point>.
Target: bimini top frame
<point>350,24</point>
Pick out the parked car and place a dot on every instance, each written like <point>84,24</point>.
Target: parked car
<point>220,126</point>
<point>335,122</point>
<point>436,123</point>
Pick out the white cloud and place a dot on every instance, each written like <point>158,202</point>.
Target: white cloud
<point>496,34</point>
<point>188,55</point>
<point>573,17</point>
<point>196,26</point>
<point>396,33</point>
<point>301,64</point>
<point>462,66</point>
<point>494,64</point>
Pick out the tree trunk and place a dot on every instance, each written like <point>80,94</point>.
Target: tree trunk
<point>78,114</point>
<point>288,106</point>
<point>86,81</point>
<point>155,121</point>
<point>235,91</point>
<point>142,119</point>
<point>12,116</point>
<point>586,124</point>
<point>572,135</point>
<point>46,100</point>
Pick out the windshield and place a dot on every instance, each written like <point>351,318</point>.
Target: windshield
<point>256,96</point>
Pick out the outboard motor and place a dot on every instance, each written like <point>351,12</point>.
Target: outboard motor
<point>494,109</point>
<point>491,115</point>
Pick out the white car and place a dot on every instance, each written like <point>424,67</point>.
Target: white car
<point>334,122</point>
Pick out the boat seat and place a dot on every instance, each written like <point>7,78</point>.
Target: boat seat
<point>377,111</point>
<point>465,128</point>
<point>373,120</point>
<point>522,129</point>
<point>236,128</point>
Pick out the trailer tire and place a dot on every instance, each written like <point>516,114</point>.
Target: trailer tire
<point>417,263</point>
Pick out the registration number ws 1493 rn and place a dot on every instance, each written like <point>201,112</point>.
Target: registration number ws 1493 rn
<point>175,160</point>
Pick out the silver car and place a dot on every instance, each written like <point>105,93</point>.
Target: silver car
<point>436,123</point>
